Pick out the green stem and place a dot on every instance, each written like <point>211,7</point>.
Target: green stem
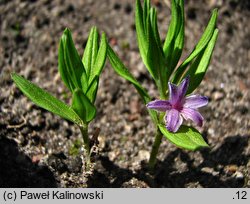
<point>84,131</point>
<point>155,149</point>
<point>157,142</point>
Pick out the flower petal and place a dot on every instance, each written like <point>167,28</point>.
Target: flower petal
<point>177,93</point>
<point>183,87</point>
<point>195,101</point>
<point>159,105</point>
<point>173,120</point>
<point>173,93</point>
<point>192,114</point>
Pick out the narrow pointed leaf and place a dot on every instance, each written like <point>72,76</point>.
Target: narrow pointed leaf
<point>82,106</point>
<point>204,40</point>
<point>64,73</point>
<point>153,16</point>
<point>90,51</point>
<point>84,83</point>
<point>178,40</point>
<point>45,100</point>
<point>141,33</point>
<point>146,10</point>
<point>155,57</point>
<point>169,41</point>
<point>100,58</point>
<point>199,67</point>
<point>186,138</point>
<point>92,89</point>
<point>72,60</point>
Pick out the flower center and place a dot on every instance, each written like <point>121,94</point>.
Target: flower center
<point>177,106</point>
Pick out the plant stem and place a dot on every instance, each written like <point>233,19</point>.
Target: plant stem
<point>155,149</point>
<point>157,142</point>
<point>84,131</point>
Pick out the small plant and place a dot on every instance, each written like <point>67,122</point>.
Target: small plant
<point>81,77</point>
<point>162,62</point>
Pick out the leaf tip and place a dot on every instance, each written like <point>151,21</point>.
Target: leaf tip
<point>66,31</point>
<point>12,74</point>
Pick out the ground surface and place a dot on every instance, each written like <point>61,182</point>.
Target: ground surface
<point>36,146</point>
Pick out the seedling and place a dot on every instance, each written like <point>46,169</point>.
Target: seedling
<point>81,77</point>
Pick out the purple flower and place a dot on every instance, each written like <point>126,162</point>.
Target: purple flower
<point>178,106</point>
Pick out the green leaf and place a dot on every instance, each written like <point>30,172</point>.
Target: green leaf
<point>199,67</point>
<point>204,40</point>
<point>84,82</point>
<point>141,33</point>
<point>154,25</point>
<point>63,70</point>
<point>155,56</point>
<point>120,69</point>
<point>169,41</point>
<point>92,89</point>
<point>148,38</point>
<point>43,99</point>
<point>146,10</point>
<point>100,59</point>
<point>82,106</point>
<point>70,66</point>
<point>178,40</point>
<point>90,51</point>
<point>174,41</point>
<point>186,137</point>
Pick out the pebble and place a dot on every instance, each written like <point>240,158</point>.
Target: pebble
<point>210,171</point>
<point>218,95</point>
<point>134,106</point>
<point>238,175</point>
<point>231,169</point>
<point>143,155</point>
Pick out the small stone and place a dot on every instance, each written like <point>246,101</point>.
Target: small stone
<point>143,155</point>
<point>238,175</point>
<point>134,182</point>
<point>128,128</point>
<point>134,106</point>
<point>231,169</point>
<point>113,155</point>
<point>36,158</point>
<point>133,117</point>
<point>211,131</point>
<point>113,41</point>
<point>218,95</point>
<point>102,142</point>
<point>210,171</point>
